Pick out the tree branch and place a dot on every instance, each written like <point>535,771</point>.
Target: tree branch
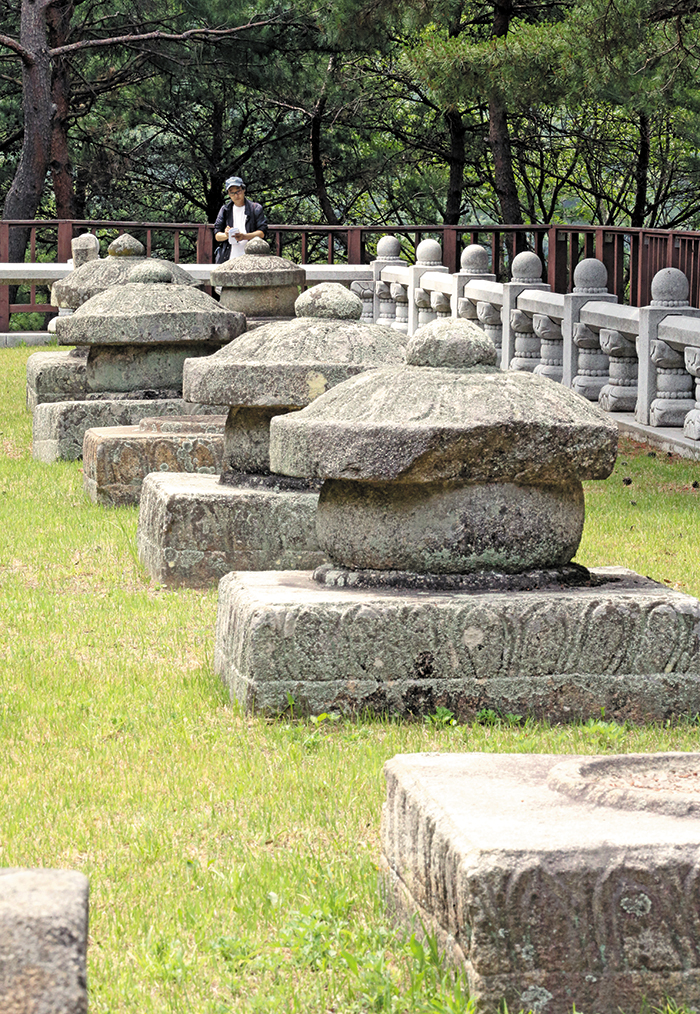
<point>28,59</point>
<point>192,33</point>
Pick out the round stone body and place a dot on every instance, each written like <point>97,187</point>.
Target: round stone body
<point>449,528</point>
<point>259,284</point>
<point>330,300</point>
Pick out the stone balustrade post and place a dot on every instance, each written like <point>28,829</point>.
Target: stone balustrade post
<point>691,424</point>
<point>659,381</point>
<point>388,252</point>
<point>440,302</point>
<point>421,299</point>
<point>490,319</point>
<point>548,331</point>
<point>674,386</point>
<point>527,274</point>
<point>428,258</point>
<point>399,293</point>
<point>365,290</point>
<point>620,393</point>
<point>474,263</point>
<point>592,369</point>
<point>590,283</point>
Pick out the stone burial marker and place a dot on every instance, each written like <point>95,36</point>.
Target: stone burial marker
<point>450,510</point>
<point>137,337</point>
<point>193,529</point>
<point>259,284</point>
<point>552,881</point>
<point>43,941</point>
<point>58,376</point>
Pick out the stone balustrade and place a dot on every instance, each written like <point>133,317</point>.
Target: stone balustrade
<point>641,360</point>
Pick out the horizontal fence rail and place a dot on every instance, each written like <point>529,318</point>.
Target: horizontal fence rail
<point>631,256</point>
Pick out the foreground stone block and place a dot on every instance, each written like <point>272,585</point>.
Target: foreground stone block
<point>43,942</point>
<point>193,529</point>
<point>116,459</point>
<point>544,898</point>
<point>626,644</point>
<point>59,427</point>
<point>55,376</point>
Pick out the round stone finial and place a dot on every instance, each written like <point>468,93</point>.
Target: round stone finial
<point>669,287</point>
<point>258,246</point>
<point>150,272</point>
<point>527,267</point>
<point>590,275</point>
<point>84,248</point>
<point>429,251</point>
<point>126,246</point>
<point>388,248</point>
<point>451,344</point>
<point>475,259</point>
<point>330,300</point>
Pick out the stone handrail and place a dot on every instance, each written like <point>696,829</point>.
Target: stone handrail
<point>644,360</point>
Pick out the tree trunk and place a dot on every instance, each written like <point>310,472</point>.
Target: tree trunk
<point>25,193</point>
<point>316,157</point>
<point>641,173</point>
<point>499,138</point>
<point>455,186</point>
<point>58,20</point>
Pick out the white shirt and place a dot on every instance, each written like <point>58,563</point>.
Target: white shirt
<point>237,249</point>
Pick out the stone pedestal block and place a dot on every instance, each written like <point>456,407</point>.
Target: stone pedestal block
<point>193,529</point>
<point>544,897</point>
<point>116,459</point>
<point>623,643</point>
<point>43,941</point>
<point>55,376</point>
<point>59,427</point>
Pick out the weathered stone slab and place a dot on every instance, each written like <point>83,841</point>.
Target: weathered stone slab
<point>544,899</point>
<point>43,941</point>
<point>133,367</point>
<point>116,459</point>
<point>629,645</point>
<point>55,376</point>
<point>193,529</point>
<point>59,427</point>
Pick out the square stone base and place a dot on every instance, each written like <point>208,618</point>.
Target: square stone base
<point>192,529</point>
<point>544,900</point>
<point>116,459</point>
<point>43,941</point>
<point>59,427</point>
<point>630,646</point>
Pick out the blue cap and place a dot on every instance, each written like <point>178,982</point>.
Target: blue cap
<point>234,181</point>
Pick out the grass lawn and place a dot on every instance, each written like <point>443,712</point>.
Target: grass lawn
<point>233,860</point>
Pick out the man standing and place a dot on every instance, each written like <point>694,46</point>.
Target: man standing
<point>239,221</point>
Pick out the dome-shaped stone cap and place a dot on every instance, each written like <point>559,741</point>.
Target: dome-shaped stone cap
<point>126,246</point>
<point>329,300</point>
<point>289,363</point>
<point>97,276</point>
<point>417,425</point>
<point>452,344</point>
<point>257,268</point>
<point>150,314</point>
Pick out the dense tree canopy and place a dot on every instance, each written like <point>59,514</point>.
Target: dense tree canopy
<point>350,111</point>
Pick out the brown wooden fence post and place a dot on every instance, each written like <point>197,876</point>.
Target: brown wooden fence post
<point>355,246</point>
<point>63,244</point>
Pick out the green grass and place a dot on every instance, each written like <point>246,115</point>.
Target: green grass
<point>232,860</point>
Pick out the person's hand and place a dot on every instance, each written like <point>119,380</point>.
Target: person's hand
<point>240,236</point>
<point>227,229</point>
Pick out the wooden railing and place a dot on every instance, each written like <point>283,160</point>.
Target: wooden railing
<point>632,256</point>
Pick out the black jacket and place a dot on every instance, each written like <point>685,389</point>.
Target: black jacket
<point>254,217</point>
